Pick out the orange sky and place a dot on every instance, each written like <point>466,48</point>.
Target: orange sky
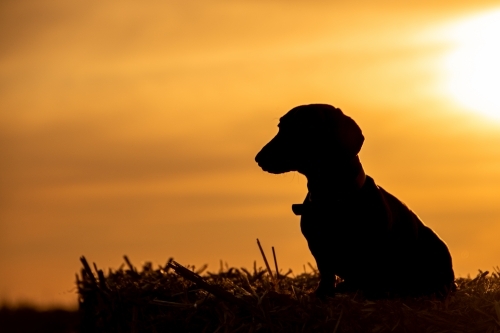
<point>131,129</point>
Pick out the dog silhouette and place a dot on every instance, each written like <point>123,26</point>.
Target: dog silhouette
<point>354,228</point>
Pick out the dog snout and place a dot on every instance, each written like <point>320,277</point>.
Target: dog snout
<point>258,158</point>
<point>264,156</point>
<point>276,156</point>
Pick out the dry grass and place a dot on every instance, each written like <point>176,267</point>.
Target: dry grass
<point>173,298</point>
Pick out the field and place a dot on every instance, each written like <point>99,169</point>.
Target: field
<point>28,319</point>
<point>174,298</point>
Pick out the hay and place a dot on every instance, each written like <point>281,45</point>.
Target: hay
<point>173,298</point>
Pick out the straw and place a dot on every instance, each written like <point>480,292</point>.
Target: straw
<point>276,264</point>
<point>265,260</point>
<point>176,299</point>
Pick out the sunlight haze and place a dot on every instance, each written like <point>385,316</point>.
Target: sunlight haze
<point>473,64</point>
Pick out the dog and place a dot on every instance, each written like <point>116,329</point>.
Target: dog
<point>355,230</point>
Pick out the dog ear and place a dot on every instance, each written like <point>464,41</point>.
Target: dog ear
<point>349,136</point>
<point>339,131</point>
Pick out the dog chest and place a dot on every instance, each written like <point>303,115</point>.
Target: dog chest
<point>340,225</point>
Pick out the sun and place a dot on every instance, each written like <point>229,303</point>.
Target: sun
<point>473,64</point>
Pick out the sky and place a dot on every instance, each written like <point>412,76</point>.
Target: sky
<point>130,128</point>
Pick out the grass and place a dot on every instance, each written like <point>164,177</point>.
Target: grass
<point>174,298</point>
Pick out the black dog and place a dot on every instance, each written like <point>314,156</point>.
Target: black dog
<point>354,228</point>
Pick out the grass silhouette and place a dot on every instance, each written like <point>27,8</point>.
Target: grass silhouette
<point>174,298</point>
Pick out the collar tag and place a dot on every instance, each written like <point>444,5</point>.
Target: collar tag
<point>298,209</point>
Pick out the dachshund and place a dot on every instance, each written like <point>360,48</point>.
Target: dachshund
<point>355,230</point>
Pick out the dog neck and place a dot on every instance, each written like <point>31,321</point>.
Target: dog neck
<point>336,182</point>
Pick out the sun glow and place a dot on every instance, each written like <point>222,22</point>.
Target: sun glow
<point>473,65</point>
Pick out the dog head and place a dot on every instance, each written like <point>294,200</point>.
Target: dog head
<point>308,136</point>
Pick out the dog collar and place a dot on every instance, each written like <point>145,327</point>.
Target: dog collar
<point>298,209</point>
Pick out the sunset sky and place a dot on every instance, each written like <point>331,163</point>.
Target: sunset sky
<point>131,127</point>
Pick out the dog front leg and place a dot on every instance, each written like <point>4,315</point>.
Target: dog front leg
<point>320,246</point>
<point>326,286</point>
